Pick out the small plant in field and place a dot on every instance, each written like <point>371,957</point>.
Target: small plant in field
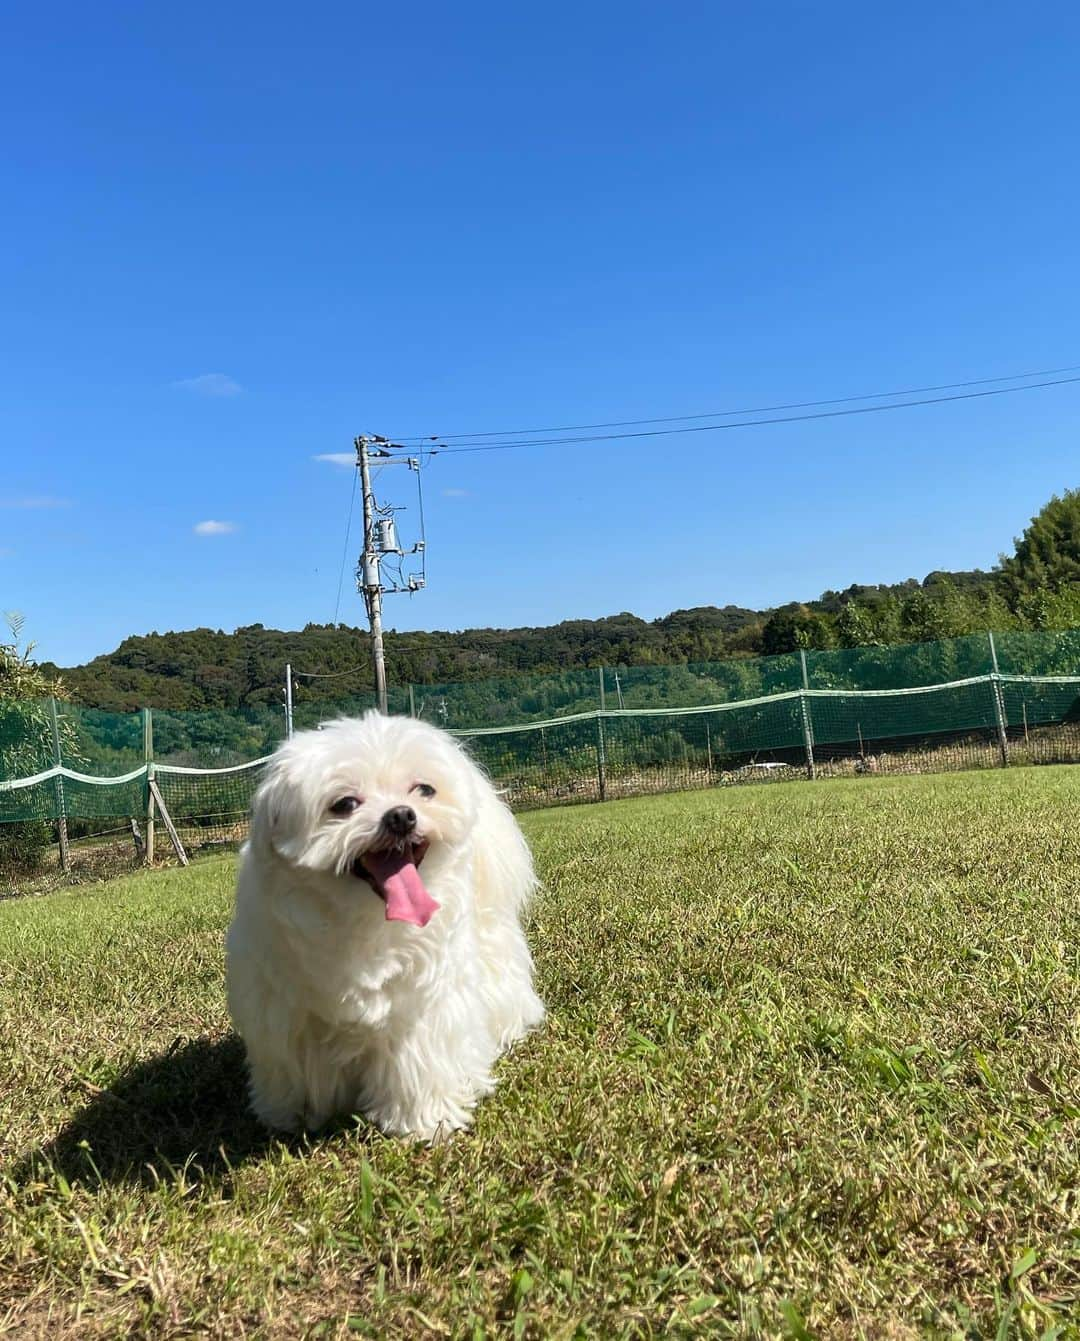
<point>26,741</point>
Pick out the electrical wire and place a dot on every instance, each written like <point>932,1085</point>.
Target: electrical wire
<point>754,423</point>
<point>345,548</point>
<point>332,675</point>
<point>753,409</point>
<point>392,633</point>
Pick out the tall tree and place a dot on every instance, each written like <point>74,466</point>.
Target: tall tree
<point>792,628</point>
<point>1047,555</point>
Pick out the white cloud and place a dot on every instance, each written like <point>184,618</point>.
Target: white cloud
<point>455,493</point>
<point>337,458</point>
<point>214,528</point>
<point>35,501</point>
<point>210,384</point>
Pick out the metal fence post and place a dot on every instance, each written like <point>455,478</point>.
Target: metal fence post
<point>999,704</point>
<point>61,809</point>
<point>148,759</point>
<point>603,703</point>
<point>412,702</point>
<point>807,721</point>
<point>601,757</point>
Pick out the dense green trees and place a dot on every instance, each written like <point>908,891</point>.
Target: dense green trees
<point>1038,587</point>
<point>1047,558</point>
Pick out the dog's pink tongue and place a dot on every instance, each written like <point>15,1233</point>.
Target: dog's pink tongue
<point>406,898</point>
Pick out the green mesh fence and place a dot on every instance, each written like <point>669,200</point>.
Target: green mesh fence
<point>708,724</point>
<point>515,699</point>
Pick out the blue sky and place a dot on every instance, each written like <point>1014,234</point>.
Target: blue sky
<point>236,235</point>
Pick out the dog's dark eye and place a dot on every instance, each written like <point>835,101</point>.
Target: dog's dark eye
<point>346,805</point>
<point>425,789</point>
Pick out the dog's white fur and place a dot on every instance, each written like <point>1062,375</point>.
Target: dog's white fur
<point>341,1010</point>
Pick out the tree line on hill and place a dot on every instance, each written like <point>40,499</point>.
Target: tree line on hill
<point>1036,587</point>
<point>217,696</point>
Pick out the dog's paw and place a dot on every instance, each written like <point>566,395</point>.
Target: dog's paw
<point>432,1124</point>
<point>276,1108</point>
<point>278,1118</point>
<point>528,1015</point>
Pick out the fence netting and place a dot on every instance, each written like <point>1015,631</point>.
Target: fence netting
<point>1011,699</point>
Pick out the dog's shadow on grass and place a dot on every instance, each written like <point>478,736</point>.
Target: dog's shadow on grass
<point>183,1113</point>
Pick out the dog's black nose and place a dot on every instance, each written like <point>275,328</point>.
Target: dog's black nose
<point>400,820</point>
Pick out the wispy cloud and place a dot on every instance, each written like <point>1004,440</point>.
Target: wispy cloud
<point>210,384</point>
<point>455,493</point>
<point>35,501</point>
<point>6,552</point>
<point>337,458</point>
<point>214,528</point>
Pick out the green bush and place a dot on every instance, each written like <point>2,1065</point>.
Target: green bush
<point>23,845</point>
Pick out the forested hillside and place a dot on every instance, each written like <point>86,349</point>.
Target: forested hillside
<point>1038,586</point>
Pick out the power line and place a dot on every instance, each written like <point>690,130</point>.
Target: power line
<point>753,409</point>
<point>753,423</point>
<point>333,675</point>
<point>338,633</point>
<point>345,551</point>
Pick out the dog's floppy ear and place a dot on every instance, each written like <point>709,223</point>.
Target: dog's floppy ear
<point>264,812</point>
<point>274,811</point>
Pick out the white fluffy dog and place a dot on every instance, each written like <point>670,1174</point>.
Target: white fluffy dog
<point>357,984</point>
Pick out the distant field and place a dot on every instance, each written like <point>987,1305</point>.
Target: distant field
<point>812,1068</point>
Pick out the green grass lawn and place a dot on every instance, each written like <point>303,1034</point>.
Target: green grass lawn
<point>811,1069</point>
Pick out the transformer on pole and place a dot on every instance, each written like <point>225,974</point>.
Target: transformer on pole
<point>381,544</point>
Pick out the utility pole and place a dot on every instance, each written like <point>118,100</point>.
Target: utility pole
<point>370,584</point>
<point>380,542</point>
<point>288,700</point>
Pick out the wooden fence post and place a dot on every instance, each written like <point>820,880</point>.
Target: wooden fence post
<point>807,721</point>
<point>148,757</point>
<point>61,808</point>
<point>999,705</point>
